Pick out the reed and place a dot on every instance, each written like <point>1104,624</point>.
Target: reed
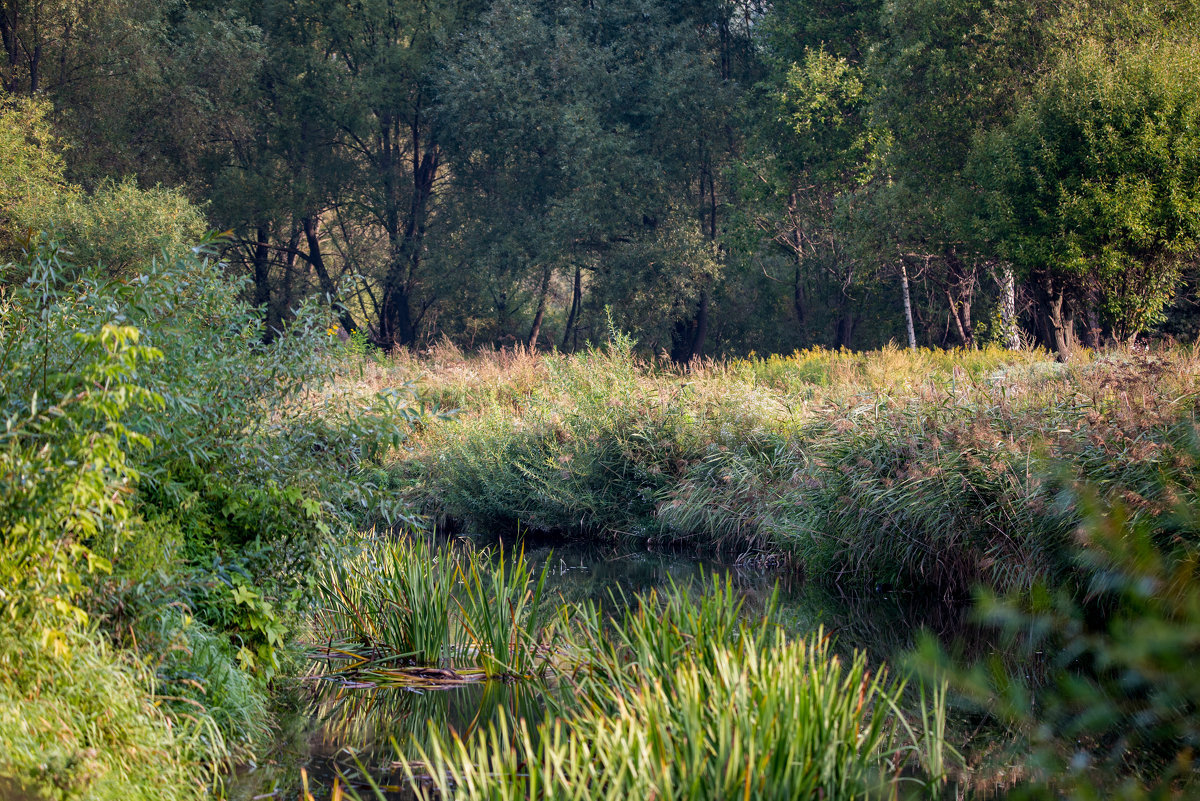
<point>790,721</point>
<point>392,601</point>
<point>399,605</point>
<point>503,613</point>
<point>656,632</point>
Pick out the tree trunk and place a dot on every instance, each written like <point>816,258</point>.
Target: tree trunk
<point>1093,336</point>
<point>908,315</point>
<point>689,335</point>
<point>576,298</point>
<point>317,260</point>
<point>531,342</point>
<point>395,314</point>
<point>262,278</point>
<point>1010,334</point>
<point>1056,318</point>
<point>701,327</point>
<point>960,293</point>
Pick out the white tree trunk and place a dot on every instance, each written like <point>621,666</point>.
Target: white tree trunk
<point>908,317</point>
<point>1011,334</point>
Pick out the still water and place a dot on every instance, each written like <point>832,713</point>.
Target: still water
<point>332,729</point>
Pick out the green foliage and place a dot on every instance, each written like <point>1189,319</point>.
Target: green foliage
<point>121,227</point>
<point>1096,182</point>
<point>1110,706</point>
<point>31,170</point>
<point>792,721</point>
<point>70,384</point>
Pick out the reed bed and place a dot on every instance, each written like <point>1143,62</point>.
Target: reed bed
<point>924,471</point>
<point>787,721</point>
<point>408,612</point>
<point>678,696</point>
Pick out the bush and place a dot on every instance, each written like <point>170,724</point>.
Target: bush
<point>1106,698</point>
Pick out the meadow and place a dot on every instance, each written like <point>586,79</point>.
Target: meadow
<point>917,470</point>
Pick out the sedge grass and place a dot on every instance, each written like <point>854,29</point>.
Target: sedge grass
<point>923,471</point>
<point>504,615</point>
<point>790,721</point>
<point>394,599</point>
<point>399,610</point>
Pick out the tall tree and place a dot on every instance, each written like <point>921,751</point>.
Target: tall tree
<point>1095,186</point>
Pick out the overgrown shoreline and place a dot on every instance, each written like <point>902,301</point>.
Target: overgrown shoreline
<point>175,486</point>
<point>923,470</point>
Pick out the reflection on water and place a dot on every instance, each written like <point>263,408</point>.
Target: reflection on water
<point>348,730</point>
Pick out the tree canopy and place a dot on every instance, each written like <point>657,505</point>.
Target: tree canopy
<point>721,175</point>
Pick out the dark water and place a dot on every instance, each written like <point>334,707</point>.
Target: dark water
<point>330,729</point>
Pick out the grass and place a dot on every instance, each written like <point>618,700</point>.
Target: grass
<point>920,470</point>
<point>678,698</point>
<point>82,724</point>
<point>411,604</point>
<point>503,614</point>
<point>787,721</point>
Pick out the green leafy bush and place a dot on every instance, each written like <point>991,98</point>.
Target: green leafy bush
<point>70,384</point>
<point>1106,701</point>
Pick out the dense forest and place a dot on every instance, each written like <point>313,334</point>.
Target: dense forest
<point>724,176</point>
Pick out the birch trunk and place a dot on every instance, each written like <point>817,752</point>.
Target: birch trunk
<point>908,315</point>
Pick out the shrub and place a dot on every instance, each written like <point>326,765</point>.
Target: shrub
<point>1106,696</point>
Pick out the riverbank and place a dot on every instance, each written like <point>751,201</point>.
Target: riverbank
<point>918,471</point>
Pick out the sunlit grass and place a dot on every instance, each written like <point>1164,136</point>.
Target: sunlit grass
<point>790,720</point>
<point>407,604</point>
<point>923,470</point>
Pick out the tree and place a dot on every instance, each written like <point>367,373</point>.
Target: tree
<point>583,141</point>
<point>1094,188</point>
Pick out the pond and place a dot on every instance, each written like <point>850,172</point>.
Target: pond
<point>352,729</point>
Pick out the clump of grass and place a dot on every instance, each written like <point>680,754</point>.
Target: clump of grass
<point>81,724</point>
<point>790,721</point>
<point>413,603</point>
<point>656,632</point>
<point>395,599</point>
<point>503,614</point>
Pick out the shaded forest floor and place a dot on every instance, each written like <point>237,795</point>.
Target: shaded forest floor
<point>924,470</point>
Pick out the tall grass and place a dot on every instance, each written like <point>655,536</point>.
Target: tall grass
<point>656,632</point>
<point>395,598</point>
<point>410,602</point>
<point>82,724</point>
<point>790,721</point>
<point>503,613</point>
<point>924,470</point>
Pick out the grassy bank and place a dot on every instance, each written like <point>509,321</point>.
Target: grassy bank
<point>168,480</point>
<point>916,470</point>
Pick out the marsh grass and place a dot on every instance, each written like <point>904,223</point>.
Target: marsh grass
<point>926,471</point>
<point>656,631</point>
<point>791,720</point>
<point>503,614</point>
<point>681,695</point>
<point>394,599</point>
<point>400,607</point>
<point>82,723</point>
